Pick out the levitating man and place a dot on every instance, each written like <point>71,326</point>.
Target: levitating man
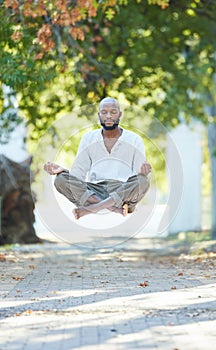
<point>110,170</point>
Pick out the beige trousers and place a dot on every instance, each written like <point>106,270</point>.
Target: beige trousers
<point>78,191</point>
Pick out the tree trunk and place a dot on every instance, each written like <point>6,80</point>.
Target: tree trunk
<point>17,203</point>
<point>212,149</point>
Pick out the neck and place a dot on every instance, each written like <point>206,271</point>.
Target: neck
<point>112,133</point>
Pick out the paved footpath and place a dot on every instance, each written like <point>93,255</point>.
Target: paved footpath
<point>139,296</point>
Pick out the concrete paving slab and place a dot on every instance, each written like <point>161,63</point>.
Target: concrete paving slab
<point>144,295</point>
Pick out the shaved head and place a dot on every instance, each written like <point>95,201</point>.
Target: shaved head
<point>109,100</point>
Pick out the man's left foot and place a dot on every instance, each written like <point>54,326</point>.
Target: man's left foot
<point>125,209</point>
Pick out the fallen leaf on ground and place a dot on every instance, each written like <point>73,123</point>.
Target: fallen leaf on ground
<point>198,259</point>
<point>144,284</point>
<point>2,257</point>
<point>17,278</point>
<point>32,267</point>
<point>28,312</point>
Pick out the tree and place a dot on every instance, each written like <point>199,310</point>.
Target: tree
<point>43,40</point>
<point>153,53</point>
<point>17,210</point>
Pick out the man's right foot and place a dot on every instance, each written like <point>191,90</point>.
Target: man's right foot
<point>123,211</point>
<point>80,211</point>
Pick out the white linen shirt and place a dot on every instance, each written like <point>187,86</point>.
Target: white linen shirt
<point>94,163</point>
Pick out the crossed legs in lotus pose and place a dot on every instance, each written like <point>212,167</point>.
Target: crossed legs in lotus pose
<point>98,204</point>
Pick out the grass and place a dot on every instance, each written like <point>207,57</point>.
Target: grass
<point>190,237</point>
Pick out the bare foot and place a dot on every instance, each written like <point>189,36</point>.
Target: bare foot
<point>123,211</point>
<point>80,211</point>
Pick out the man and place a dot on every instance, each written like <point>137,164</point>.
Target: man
<point>110,170</point>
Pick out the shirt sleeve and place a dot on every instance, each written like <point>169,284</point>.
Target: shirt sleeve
<point>82,162</point>
<point>139,155</point>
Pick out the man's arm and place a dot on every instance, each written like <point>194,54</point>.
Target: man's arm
<point>140,165</point>
<point>82,162</point>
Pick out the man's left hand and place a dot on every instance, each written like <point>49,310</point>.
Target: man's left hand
<point>145,168</point>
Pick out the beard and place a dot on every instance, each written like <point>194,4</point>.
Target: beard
<point>112,127</point>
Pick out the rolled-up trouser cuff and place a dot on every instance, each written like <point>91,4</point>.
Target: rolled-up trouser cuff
<point>84,198</point>
<point>117,199</point>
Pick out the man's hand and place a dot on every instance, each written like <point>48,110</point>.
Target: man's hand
<point>145,168</point>
<point>53,169</point>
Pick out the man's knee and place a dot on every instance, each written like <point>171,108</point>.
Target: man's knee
<point>59,181</point>
<point>144,183</point>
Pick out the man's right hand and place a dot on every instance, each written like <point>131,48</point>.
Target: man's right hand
<point>53,169</point>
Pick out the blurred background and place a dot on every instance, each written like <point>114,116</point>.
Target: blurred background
<point>58,59</point>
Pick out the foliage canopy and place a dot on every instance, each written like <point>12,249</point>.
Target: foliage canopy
<point>62,53</point>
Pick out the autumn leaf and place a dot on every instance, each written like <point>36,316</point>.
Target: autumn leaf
<point>198,260</point>
<point>83,3</point>
<point>44,39</point>
<point>180,274</point>
<point>28,312</point>
<point>14,4</point>
<point>89,5</point>
<point>32,267</point>
<point>45,30</point>
<point>64,19</point>
<point>2,257</point>
<point>61,4</point>
<point>77,33</point>
<point>17,35</point>
<point>111,3</point>
<point>144,284</point>
<point>98,38</point>
<point>17,278</point>
<point>39,56</point>
<point>92,11</point>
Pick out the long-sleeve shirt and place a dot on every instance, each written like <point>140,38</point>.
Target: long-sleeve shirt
<point>94,163</point>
